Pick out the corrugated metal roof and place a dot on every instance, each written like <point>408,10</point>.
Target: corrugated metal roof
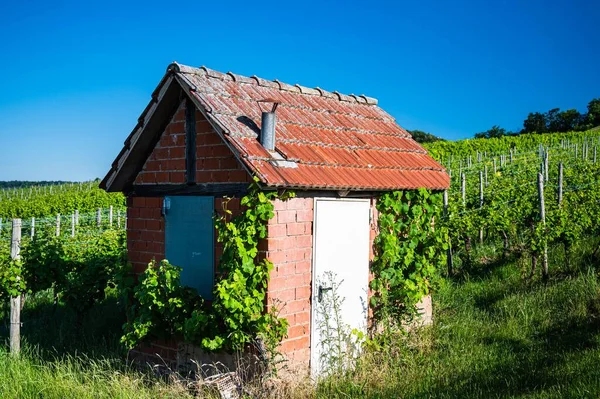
<point>337,141</point>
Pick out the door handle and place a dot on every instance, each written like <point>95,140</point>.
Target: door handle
<point>321,290</point>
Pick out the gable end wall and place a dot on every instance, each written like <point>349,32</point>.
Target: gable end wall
<point>215,163</point>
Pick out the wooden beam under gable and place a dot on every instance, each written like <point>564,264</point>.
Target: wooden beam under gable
<point>189,89</point>
<point>142,141</point>
<point>190,141</point>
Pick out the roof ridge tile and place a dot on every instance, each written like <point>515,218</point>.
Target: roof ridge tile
<point>276,84</point>
<point>308,90</point>
<point>287,87</point>
<point>266,83</point>
<point>325,93</point>
<point>369,100</point>
<point>241,78</point>
<point>214,74</point>
<point>344,97</point>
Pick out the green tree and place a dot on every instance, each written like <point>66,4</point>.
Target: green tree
<point>424,137</point>
<point>553,120</point>
<point>593,114</point>
<point>495,132</point>
<point>569,120</point>
<point>535,123</point>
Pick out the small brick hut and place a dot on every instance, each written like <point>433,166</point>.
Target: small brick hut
<point>204,134</point>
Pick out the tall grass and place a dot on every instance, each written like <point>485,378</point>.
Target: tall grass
<point>81,377</point>
<point>67,357</point>
<point>496,334</point>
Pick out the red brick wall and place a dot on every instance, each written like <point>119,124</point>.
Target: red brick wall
<point>166,164</point>
<point>289,247</point>
<point>215,163</point>
<point>214,160</point>
<point>145,231</point>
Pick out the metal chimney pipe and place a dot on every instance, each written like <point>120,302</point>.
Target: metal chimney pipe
<point>267,130</point>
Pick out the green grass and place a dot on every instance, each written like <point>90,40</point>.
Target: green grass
<point>64,356</point>
<point>27,376</point>
<point>496,335</point>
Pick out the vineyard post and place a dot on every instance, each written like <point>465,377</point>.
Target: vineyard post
<point>449,250</point>
<point>470,163</point>
<point>486,179</point>
<point>58,225</point>
<point>73,225</point>
<point>541,168</point>
<point>480,204</point>
<point>546,165</point>
<point>32,228</point>
<point>511,156</point>
<point>77,216</point>
<point>119,214</point>
<point>594,154</point>
<point>15,302</point>
<point>543,219</point>
<point>110,216</point>
<point>463,186</point>
<point>494,165</point>
<point>99,217</point>
<point>576,150</point>
<point>560,183</point>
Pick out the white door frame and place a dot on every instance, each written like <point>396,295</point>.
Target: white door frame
<point>313,304</point>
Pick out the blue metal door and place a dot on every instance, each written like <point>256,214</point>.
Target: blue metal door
<point>189,240</point>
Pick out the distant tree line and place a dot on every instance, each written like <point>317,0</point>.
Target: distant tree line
<point>552,121</point>
<point>423,137</point>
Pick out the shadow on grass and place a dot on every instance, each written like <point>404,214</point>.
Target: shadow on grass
<point>558,359</point>
<point>482,267</point>
<point>532,367</point>
<point>58,330</point>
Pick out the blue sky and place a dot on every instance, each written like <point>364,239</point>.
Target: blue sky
<point>74,76</point>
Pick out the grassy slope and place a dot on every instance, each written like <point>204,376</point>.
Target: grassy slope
<point>66,358</point>
<point>76,377</point>
<point>496,335</point>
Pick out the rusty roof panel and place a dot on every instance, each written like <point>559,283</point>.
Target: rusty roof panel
<point>337,141</point>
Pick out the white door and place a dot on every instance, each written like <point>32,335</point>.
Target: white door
<point>340,278</point>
